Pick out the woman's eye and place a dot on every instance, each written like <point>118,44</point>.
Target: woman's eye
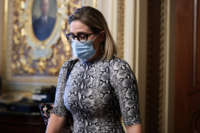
<point>82,37</point>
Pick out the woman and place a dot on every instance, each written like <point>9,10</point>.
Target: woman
<point>101,88</point>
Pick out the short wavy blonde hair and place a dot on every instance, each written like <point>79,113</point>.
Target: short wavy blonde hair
<point>95,20</point>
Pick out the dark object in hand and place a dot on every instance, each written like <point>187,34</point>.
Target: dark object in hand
<point>45,109</point>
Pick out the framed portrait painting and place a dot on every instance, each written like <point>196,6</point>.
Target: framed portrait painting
<point>43,18</point>
<point>35,44</point>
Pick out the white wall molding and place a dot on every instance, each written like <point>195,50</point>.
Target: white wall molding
<point>130,31</point>
<point>170,66</point>
<point>1,31</point>
<point>109,10</point>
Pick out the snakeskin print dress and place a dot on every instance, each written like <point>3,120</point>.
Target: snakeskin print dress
<point>97,95</point>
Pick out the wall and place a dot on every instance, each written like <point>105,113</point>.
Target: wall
<point>127,21</point>
<point>1,16</point>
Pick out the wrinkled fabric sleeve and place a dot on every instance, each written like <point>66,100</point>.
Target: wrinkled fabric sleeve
<point>58,106</point>
<point>125,85</point>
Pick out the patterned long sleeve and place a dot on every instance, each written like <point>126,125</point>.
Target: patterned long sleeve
<point>125,85</point>
<point>59,107</point>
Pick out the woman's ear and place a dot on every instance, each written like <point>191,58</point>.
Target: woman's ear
<point>102,36</point>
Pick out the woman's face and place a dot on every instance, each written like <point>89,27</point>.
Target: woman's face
<point>78,27</point>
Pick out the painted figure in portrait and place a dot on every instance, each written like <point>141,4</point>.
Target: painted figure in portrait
<point>43,19</point>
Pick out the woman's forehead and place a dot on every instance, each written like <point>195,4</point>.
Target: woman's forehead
<point>77,26</point>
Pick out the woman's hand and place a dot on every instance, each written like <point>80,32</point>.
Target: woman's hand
<point>134,129</point>
<point>55,124</point>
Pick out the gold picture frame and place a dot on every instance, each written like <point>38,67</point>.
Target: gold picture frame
<point>24,64</point>
<point>42,49</point>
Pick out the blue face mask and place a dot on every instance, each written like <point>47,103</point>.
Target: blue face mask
<point>83,50</point>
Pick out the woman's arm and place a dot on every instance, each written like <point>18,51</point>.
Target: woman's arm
<point>124,83</point>
<point>134,129</point>
<point>55,124</point>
